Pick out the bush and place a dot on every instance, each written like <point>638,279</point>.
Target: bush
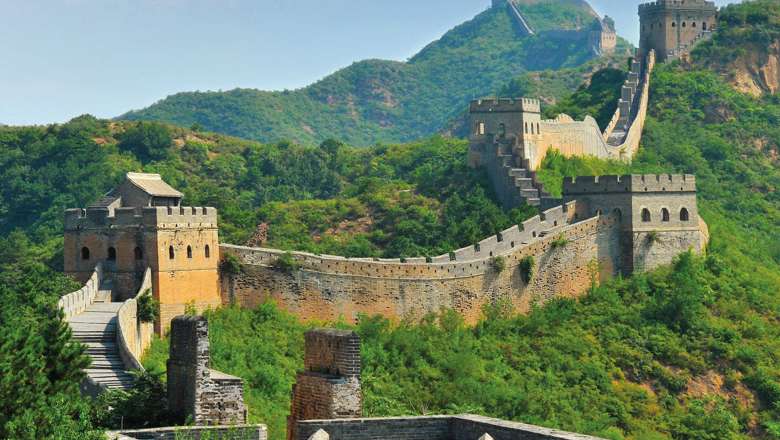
<point>230,264</point>
<point>527,265</point>
<point>148,307</point>
<point>149,141</point>
<point>559,242</point>
<point>498,264</point>
<point>287,263</point>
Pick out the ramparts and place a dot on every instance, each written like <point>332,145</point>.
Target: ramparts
<point>545,258</point>
<point>157,216</point>
<point>589,185</point>
<point>76,302</point>
<point>134,336</point>
<point>499,105</point>
<point>683,5</point>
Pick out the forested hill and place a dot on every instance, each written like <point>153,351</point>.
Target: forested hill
<point>377,100</point>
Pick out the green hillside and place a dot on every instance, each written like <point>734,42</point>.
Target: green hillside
<point>687,352</point>
<point>386,101</point>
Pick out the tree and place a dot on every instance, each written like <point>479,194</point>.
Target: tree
<point>149,141</point>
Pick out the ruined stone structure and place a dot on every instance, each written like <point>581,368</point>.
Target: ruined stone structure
<point>603,37</point>
<point>197,393</point>
<point>672,27</point>
<point>141,224</point>
<point>329,386</point>
<point>559,253</point>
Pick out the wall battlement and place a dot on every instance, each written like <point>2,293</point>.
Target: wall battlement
<point>629,184</point>
<point>156,216</point>
<point>500,105</point>
<point>661,5</point>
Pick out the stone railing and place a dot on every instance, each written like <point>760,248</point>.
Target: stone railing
<point>133,337</point>
<point>630,145</point>
<point>463,427</point>
<point>76,302</point>
<point>217,432</point>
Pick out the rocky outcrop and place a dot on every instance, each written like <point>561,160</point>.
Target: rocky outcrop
<point>757,73</point>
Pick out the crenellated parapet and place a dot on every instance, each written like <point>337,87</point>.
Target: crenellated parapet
<point>663,5</point>
<point>589,185</point>
<point>155,216</point>
<point>495,105</point>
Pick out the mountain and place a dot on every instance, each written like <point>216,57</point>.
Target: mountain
<point>388,101</point>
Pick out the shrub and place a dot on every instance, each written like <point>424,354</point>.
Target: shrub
<point>498,264</point>
<point>527,265</point>
<point>287,263</point>
<point>653,237</point>
<point>230,264</point>
<point>148,307</point>
<point>559,242</point>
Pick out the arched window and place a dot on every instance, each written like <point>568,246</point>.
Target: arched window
<point>111,254</point>
<point>664,215</point>
<point>526,128</point>
<point>693,24</point>
<point>618,213</point>
<point>704,25</point>
<point>171,254</point>
<point>684,216</point>
<point>674,24</point>
<point>189,251</point>
<point>684,24</point>
<point>646,215</point>
<point>538,129</point>
<point>139,254</point>
<point>532,128</point>
<point>208,251</point>
<point>501,130</point>
<point>85,253</point>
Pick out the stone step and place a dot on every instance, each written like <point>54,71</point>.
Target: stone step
<point>524,183</point>
<point>518,172</point>
<point>529,193</point>
<point>533,201</point>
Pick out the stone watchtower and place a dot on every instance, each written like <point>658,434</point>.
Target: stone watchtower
<point>671,27</point>
<point>504,124</point>
<point>141,224</point>
<point>603,37</point>
<point>658,215</point>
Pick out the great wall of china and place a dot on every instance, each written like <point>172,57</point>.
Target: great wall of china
<point>139,238</point>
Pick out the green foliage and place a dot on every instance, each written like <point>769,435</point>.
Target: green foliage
<point>286,263</point>
<point>230,264</point>
<point>388,101</point>
<point>147,140</point>
<point>148,307</point>
<point>559,242</point>
<point>652,237</point>
<point>555,167</point>
<point>598,99</point>
<point>527,265</point>
<point>145,405</point>
<point>498,264</point>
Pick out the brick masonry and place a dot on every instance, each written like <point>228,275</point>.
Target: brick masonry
<point>195,392</point>
<point>329,386</point>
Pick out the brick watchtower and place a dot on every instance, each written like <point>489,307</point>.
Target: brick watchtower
<point>141,224</point>
<point>671,27</point>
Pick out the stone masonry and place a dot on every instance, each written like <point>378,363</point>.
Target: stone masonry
<point>196,393</point>
<point>672,27</point>
<point>329,386</point>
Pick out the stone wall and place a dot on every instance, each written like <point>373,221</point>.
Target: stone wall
<point>195,392</point>
<point>134,336</point>
<point>329,387</point>
<point>76,302</point>
<point>224,432</point>
<point>327,287</point>
<point>465,427</point>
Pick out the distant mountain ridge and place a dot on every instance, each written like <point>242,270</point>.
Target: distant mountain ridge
<point>389,101</point>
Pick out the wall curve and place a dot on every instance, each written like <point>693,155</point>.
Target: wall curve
<point>133,336</point>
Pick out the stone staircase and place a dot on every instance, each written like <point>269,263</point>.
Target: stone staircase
<point>519,184</point>
<point>96,328</point>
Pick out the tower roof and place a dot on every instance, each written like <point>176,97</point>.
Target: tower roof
<point>152,184</point>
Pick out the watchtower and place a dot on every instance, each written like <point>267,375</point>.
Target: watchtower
<point>510,124</point>
<point>673,26</point>
<point>658,215</point>
<point>603,37</point>
<point>141,224</point>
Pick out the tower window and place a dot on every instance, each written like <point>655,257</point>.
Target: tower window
<point>480,128</point>
<point>85,253</point>
<point>171,254</point>
<point>704,25</point>
<point>538,129</point>
<point>693,24</point>
<point>189,251</point>
<point>208,252</point>
<point>526,128</point>
<point>139,254</point>
<point>664,215</point>
<point>501,130</point>
<point>646,215</point>
<point>532,128</point>
<point>674,24</point>
<point>684,25</point>
<point>111,254</point>
<point>684,216</point>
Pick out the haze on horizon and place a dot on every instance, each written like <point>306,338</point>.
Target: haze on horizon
<point>69,57</point>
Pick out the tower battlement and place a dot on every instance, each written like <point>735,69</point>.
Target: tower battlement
<point>634,183</point>
<point>661,5</point>
<point>156,216</point>
<point>505,105</point>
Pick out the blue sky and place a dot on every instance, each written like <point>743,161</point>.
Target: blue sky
<point>63,58</point>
